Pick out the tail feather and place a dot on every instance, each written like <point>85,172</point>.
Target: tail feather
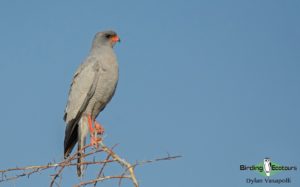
<point>80,168</point>
<point>82,133</point>
<point>76,132</point>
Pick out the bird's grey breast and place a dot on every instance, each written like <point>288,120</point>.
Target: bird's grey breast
<point>107,80</point>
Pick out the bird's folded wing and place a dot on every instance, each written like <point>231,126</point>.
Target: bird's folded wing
<point>82,89</point>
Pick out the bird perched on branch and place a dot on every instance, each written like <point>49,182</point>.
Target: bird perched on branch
<point>93,86</point>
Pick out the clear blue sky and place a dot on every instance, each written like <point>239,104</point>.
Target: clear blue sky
<point>214,81</point>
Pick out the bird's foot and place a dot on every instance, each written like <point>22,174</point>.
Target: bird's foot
<point>94,132</point>
<point>95,141</point>
<point>99,128</point>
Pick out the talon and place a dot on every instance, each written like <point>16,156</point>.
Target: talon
<point>99,128</point>
<point>95,141</point>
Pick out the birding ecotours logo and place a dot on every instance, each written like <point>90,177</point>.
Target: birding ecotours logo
<point>267,167</point>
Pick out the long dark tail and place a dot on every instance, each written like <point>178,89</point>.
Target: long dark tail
<point>76,132</point>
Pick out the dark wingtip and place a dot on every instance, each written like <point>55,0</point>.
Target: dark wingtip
<point>66,154</point>
<point>65,116</point>
<point>70,138</point>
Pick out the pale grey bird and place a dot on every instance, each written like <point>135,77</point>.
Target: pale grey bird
<point>93,86</point>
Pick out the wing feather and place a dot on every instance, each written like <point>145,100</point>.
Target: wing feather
<point>81,91</point>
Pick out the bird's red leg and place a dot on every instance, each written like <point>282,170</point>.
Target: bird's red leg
<point>94,138</point>
<point>90,124</point>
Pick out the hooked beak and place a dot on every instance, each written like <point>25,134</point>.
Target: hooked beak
<point>116,39</point>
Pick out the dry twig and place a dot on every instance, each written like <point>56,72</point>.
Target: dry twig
<point>111,157</point>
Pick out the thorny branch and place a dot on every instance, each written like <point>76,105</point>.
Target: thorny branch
<point>71,161</point>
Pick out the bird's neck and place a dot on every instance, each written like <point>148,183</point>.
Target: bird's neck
<point>97,49</point>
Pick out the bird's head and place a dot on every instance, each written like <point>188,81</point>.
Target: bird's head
<point>106,38</point>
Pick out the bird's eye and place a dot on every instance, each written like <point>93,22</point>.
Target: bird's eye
<point>107,35</point>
